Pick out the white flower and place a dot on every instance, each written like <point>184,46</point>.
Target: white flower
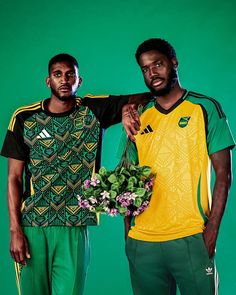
<point>93,200</point>
<point>105,195</point>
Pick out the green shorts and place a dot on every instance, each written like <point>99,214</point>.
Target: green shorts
<point>58,263</point>
<point>155,267</point>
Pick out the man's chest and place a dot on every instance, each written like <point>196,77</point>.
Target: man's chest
<point>52,139</point>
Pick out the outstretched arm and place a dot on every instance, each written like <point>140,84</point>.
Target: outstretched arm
<point>18,242</point>
<point>221,162</point>
<point>108,109</point>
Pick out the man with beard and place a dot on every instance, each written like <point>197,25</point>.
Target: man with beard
<point>56,145</point>
<point>182,133</point>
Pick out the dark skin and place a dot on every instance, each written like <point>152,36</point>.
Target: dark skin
<point>19,248</point>
<point>221,162</point>
<point>156,70</point>
<point>64,81</point>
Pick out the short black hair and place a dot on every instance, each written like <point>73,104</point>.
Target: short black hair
<point>158,44</point>
<point>62,57</point>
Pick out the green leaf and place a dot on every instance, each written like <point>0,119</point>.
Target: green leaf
<point>133,180</point>
<point>140,184</point>
<point>96,193</point>
<point>121,179</point>
<point>122,210</point>
<point>102,171</point>
<point>113,194</point>
<point>132,168</point>
<point>104,185</point>
<point>122,169</point>
<point>125,172</point>
<point>115,186</point>
<point>88,191</point>
<point>140,192</point>
<point>130,187</point>
<point>98,176</point>
<point>146,171</point>
<point>138,202</point>
<point>112,178</point>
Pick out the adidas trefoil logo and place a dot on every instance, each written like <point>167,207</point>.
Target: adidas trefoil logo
<point>209,271</point>
<point>44,134</point>
<point>147,129</point>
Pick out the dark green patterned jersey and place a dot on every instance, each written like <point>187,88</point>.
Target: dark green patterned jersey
<point>60,152</point>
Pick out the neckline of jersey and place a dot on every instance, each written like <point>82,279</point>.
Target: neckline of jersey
<point>45,102</point>
<point>174,106</point>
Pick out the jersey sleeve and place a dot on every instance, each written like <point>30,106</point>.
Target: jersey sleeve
<point>219,135</point>
<point>107,109</point>
<point>14,146</point>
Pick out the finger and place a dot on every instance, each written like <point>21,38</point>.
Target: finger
<point>129,134</point>
<point>135,116</point>
<point>130,131</point>
<point>27,253</point>
<point>17,257</point>
<point>22,257</point>
<point>133,130</point>
<point>136,126</point>
<point>12,255</point>
<point>131,137</point>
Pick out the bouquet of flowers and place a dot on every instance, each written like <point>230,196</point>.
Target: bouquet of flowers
<point>126,190</point>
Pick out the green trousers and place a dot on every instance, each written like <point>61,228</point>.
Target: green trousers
<point>155,267</point>
<point>58,263</point>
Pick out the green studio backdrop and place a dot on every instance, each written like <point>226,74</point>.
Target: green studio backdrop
<point>103,35</point>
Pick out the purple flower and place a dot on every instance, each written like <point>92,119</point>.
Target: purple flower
<point>128,213</point>
<point>141,208</point>
<point>148,185</point>
<point>124,200</point>
<point>84,204</point>
<point>94,181</point>
<point>87,183</point>
<point>113,212</point>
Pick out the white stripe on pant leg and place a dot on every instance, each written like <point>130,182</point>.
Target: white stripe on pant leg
<point>216,279</point>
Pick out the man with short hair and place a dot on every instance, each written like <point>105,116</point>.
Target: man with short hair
<point>182,134</point>
<point>56,145</point>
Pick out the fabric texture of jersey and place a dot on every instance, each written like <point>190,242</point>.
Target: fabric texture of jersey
<point>177,143</point>
<point>60,152</point>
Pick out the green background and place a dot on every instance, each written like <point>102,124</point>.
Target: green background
<point>103,35</point>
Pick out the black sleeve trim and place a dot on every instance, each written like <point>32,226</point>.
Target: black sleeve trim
<point>106,109</point>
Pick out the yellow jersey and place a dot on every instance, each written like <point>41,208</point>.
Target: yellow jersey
<point>177,143</point>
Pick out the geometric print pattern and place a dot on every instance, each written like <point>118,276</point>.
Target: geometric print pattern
<point>177,152</point>
<point>62,155</point>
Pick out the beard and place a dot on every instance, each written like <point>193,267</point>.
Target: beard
<point>63,97</point>
<point>171,80</point>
